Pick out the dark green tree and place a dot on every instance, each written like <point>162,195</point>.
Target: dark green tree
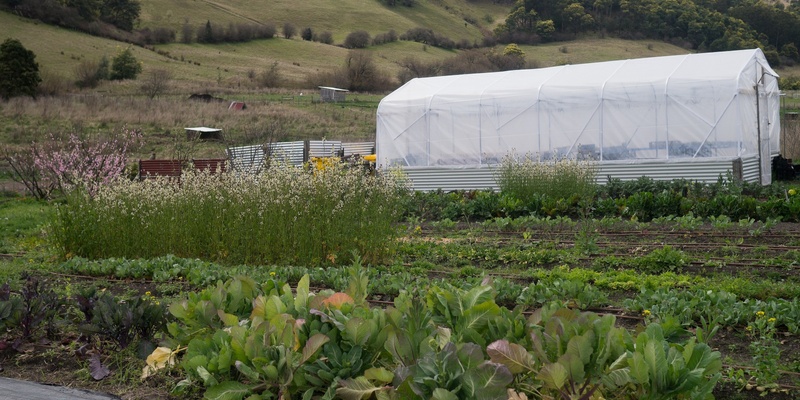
<point>121,13</point>
<point>19,72</point>
<point>125,66</point>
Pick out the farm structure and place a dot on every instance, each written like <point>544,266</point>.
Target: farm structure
<point>172,168</point>
<point>695,116</point>
<point>203,133</point>
<point>331,94</point>
<point>253,158</point>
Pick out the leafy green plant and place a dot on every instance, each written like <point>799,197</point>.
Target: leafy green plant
<point>665,259</point>
<point>566,292</point>
<point>467,313</point>
<point>454,372</point>
<point>657,369</point>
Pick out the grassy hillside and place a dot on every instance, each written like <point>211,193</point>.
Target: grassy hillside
<point>227,65</point>
<point>340,17</point>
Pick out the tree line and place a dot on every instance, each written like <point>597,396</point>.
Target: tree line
<point>704,25</point>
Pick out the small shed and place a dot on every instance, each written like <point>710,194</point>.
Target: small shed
<point>203,133</point>
<point>332,94</point>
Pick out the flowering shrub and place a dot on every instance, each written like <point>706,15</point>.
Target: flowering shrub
<point>62,163</point>
<point>282,215</point>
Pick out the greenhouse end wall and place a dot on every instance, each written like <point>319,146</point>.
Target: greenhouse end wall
<point>709,107</point>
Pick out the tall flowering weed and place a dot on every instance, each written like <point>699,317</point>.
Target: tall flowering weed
<point>525,177</point>
<point>282,215</point>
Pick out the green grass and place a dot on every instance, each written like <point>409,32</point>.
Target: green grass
<point>339,17</point>
<point>21,223</point>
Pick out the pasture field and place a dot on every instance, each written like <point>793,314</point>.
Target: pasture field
<point>729,282</point>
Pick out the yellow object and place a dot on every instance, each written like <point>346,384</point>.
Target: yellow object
<point>324,163</point>
<point>371,157</point>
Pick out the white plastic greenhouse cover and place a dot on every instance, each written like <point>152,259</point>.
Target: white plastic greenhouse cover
<point>697,106</point>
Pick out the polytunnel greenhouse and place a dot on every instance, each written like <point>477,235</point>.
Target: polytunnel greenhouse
<point>695,116</point>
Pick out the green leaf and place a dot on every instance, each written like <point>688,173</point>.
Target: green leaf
<point>477,295</point>
<point>228,390</point>
<point>313,345</point>
<point>638,368</point>
<point>443,394</point>
<point>381,375</point>
<point>443,335</point>
<point>399,346</point>
<point>206,376</point>
<point>301,299</point>
<point>512,355</point>
<point>488,381</point>
<point>356,389</point>
<point>553,375</point>
<point>228,319</point>
<point>477,317</point>
<point>246,371</point>
<point>359,331</point>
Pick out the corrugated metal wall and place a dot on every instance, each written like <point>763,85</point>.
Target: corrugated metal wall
<point>290,153</point>
<point>431,178</point>
<point>750,172</point>
<point>249,159</point>
<point>324,148</point>
<point>360,148</point>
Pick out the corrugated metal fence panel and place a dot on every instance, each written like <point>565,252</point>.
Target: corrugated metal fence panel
<point>433,178</point>
<point>360,148</point>
<point>287,152</point>
<point>323,148</point>
<point>750,170</point>
<point>248,159</point>
<point>705,171</point>
<point>426,179</point>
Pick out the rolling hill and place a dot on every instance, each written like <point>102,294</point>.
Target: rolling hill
<point>60,50</point>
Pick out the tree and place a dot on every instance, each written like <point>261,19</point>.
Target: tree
<point>289,30</point>
<point>125,66</point>
<point>156,82</point>
<point>362,73</point>
<point>19,72</point>
<point>307,34</point>
<point>121,13</point>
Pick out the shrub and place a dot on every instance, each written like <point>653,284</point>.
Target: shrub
<point>86,74</point>
<point>53,84</point>
<point>325,37</point>
<point>383,38</point>
<point>156,82</point>
<point>125,66</point>
<point>271,77</point>
<point>528,178</point>
<point>357,40</point>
